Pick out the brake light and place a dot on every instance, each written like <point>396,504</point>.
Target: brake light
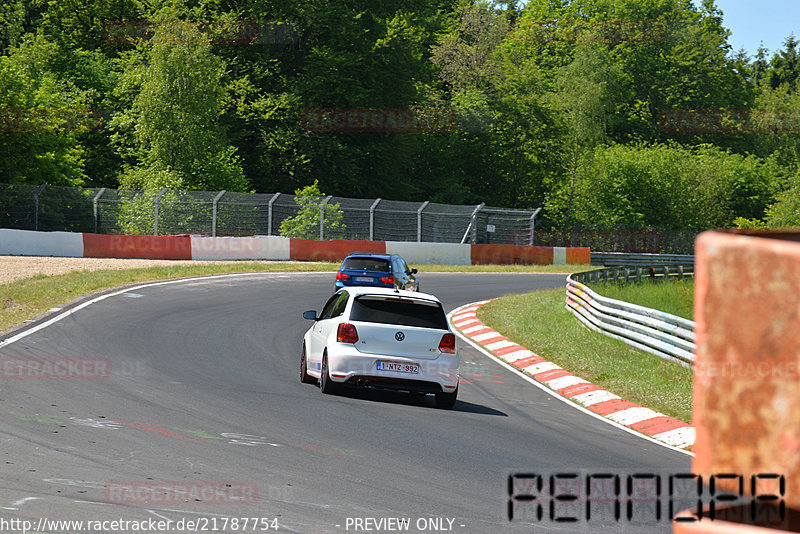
<point>340,276</point>
<point>387,279</point>
<point>448,343</point>
<point>346,333</point>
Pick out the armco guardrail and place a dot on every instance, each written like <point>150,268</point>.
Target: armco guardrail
<point>618,259</point>
<point>635,274</point>
<point>665,335</point>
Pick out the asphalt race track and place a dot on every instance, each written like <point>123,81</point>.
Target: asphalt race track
<point>204,392</point>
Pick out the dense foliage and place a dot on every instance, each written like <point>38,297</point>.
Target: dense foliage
<point>608,113</point>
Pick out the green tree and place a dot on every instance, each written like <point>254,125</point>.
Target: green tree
<point>305,224</point>
<point>42,116</point>
<point>587,94</point>
<point>174,117</point>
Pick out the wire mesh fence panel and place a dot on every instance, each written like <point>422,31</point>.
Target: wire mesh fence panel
<point>65,209</point>
<point>445,223</point>
<point>504,227</point>
<point>240,214</point>
<point>17,206</point>
<point>185,212</point>
<point>355,216</point>
<point>117,211</point>
<point>285,212</point>
<point>396,220</point>
<point>126,211</point>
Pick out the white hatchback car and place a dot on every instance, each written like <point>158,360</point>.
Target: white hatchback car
<point>383,338</point>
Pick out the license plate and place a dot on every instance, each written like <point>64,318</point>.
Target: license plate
<point>398,367</point>
<point>366,279</point>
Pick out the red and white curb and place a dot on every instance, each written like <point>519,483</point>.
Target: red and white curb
<point>660,427</point>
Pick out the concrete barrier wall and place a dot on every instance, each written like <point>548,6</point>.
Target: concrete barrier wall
<point>185,247</point>
<point>240,248</point>
<point>334,250</point>
<point>30,243</point>
<point>431,253</point>
<point>166,247</point>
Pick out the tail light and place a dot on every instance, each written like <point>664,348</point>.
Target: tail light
<point>347,333</point>
<point>387,279</point>
<point>448,343</point>
<point>340,276</point>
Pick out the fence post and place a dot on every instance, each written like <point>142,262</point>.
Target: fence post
<point>533,225</point>
<point>36,206</point>
<point>155,210</point>
<point>419,220</point>
<point>472,222</point>
<point>372,219</point>
<point>214,213</point>
<point>94,205</point>
<point>322,217</point>
<point>269,213</point>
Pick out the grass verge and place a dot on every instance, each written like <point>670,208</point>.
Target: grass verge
<point>540,322</point>
<point>674,296</point>
<point>29,297</point>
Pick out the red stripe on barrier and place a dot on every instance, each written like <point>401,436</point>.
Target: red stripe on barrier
<point>335,250</point>
<point>510,254</point>
<point>657,425</point>
<point>165,247</point>
<point>579,256</point>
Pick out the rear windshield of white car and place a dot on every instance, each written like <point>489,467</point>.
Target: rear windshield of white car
<point>366,264</point>
<point>399,311</point>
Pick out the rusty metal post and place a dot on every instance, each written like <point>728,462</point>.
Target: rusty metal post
<point>747,371</point>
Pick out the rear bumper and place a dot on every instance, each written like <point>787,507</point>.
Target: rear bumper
<point>400,384</point>
<point>435,375</point>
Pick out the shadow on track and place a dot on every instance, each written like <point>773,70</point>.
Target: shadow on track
<point>412,399</point>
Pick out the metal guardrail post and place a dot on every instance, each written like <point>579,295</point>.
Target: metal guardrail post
<point>94,205</point>
<point>419,221</point>
<point>269,212</point>
<point>322,217</point>
<point>472,221</point>
<point>533,226</point>
<point>214,213</point>
<point>155,210</point>
<point>36,206</point>
<point>372,219</point>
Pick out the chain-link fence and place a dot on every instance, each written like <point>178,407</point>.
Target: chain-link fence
<point>222,213</point>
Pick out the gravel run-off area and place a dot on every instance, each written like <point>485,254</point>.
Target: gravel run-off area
<point>18,267</point>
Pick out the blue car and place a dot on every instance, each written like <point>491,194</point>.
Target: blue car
<point>376,270</point>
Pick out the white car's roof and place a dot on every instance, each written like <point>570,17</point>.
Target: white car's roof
<point>357,291</point>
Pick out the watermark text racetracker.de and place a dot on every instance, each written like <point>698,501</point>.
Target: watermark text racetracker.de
<point>54,368</point>
<point>67,368</point>
<point>146,526</point>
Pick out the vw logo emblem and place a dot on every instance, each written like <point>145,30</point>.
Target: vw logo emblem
<point>399,336</point>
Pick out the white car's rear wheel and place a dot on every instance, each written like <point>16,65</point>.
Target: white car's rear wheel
<point>446,400</point>
<point>305,378</point>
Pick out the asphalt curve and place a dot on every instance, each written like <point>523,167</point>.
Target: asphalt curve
<point>204,393</point>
